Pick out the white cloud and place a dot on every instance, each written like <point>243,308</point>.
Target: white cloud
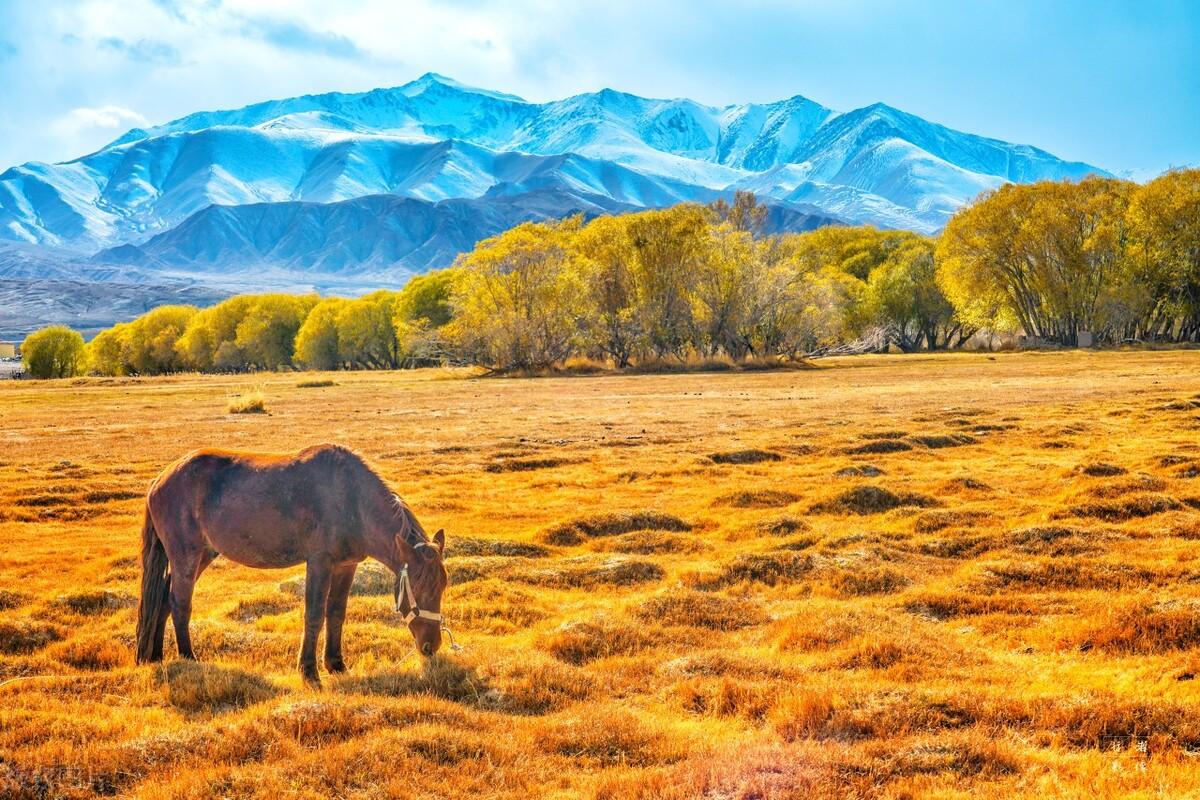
<point>84,120</point>
<point>82,130</point>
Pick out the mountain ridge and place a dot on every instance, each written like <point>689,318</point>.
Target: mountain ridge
<point>435,138</point>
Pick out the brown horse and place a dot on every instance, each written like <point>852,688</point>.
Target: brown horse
<point>323,507</point>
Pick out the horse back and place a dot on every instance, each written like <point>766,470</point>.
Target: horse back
<point>264,509</point>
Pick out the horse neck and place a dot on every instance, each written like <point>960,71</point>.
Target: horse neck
<point>383,521</point>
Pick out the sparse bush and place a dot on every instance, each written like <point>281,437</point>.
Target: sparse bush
<point>251,403</point>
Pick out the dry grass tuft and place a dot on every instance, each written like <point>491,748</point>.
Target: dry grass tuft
<point>1146,627</point>
<point>581,642</point>
<point>20,637</point>
<point>1136,483</point>
<point>1058,575</point>
<point>1134,507</point>
<point>726,697</point>
<point>802,714</point>
<point>937,441</point>
<point>934,521</point>
<point>249,403</point>
<point>439,677</point>
<point>1100,469</point>
<point>10,599</point>
<point>949,605</point>
<point>701,610</point>
<point>879,447</point>
<point>586,573</point>
<point>875,653</point>
<point>93,652</point>
<point>1056,540</point>
<point>265,605</point>
<point>863,500</point>
<point>959,546</point>
<point>782,526</point>
<point>866,581</point>
<point>767,568</point>
<point>536,685</point>
<point>648,543</point>
<point>316,383</point>
<point>196,687</point>
<point>744,457</point>
<point>576,531</point>
<point>758,498</point>
<point>93,603</point>
<point>526,464</point>
<point>458,546</point>
<point>611,739</point>
<point>863,471</point>
<point>370,580</point>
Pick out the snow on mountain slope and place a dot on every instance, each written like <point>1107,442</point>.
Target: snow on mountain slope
<point>435,139</point>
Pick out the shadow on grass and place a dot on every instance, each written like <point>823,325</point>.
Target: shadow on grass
<point>437,677</point>
<point>195,688</point>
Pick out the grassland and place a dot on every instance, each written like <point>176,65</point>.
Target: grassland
<point>941,576</point>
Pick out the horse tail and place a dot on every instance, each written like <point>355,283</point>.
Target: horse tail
<point>156,589</point>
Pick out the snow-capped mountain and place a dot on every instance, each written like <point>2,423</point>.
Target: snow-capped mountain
<point>435,139</point>
<point>345,192</point>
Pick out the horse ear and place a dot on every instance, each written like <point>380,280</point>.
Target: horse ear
<point>439,539</point>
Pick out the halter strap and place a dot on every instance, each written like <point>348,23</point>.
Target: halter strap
<point>414,612</point>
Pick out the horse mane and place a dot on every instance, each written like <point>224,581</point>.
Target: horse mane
<point>410,529</point>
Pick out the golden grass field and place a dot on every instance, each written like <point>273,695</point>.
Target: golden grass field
<point>921,576</point>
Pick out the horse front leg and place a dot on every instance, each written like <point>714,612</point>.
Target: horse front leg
<point>316,594</point>
<point>335,615</point>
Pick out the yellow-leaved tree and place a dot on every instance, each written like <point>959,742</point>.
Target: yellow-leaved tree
<point>1164,233</point>
<point>53,352</point>
<point>518,298</point>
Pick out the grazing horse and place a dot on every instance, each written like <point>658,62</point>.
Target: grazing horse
<point>324,508</point>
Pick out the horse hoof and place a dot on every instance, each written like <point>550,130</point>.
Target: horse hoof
<point>335,667</point>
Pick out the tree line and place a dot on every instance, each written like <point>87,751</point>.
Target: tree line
<point>1049,260</point>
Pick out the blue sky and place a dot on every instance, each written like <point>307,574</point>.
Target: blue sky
<point>1111,83</point>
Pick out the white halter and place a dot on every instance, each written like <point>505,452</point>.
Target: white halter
<point>405,589</point>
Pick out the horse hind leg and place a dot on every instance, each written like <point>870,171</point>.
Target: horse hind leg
<point>183,584</point>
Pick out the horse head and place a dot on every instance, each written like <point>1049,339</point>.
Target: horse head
<point>419,587</point>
